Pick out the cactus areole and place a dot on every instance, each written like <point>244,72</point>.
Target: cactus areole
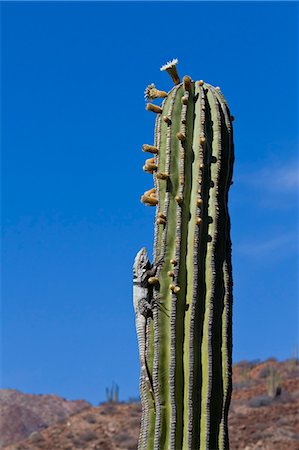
<point>186,382</point>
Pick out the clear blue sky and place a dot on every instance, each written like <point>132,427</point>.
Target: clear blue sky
<point>74,121</point>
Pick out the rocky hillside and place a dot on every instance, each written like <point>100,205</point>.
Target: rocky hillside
<point>21,414</point>
<point>263,415</point>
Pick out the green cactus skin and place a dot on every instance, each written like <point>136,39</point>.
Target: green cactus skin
<point>189,340</point>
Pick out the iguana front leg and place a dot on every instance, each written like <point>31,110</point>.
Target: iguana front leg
<point>152,271</point>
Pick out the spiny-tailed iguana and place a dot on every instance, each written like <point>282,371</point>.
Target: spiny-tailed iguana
<point>143,270</point>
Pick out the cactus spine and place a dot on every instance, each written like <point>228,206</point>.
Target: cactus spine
<point>189,339</point>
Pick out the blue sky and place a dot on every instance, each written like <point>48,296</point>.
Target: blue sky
<point>73,123</point>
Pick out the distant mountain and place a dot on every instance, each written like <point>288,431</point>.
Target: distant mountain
<point>21,414</point>
<point>264,415</point>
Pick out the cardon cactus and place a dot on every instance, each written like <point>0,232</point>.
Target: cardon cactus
<point>186,346</point>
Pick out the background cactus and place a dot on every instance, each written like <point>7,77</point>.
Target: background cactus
<point>189,338</point>
<point>273,383</point>
<point>112,394</point>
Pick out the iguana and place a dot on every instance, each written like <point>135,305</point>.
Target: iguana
<point>143,280</point>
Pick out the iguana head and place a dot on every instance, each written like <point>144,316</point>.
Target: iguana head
<point>141,264</point>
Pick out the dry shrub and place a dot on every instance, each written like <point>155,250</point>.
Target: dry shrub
<point>108,409</point>
<point>260,400</point>
<point>90,418</point>
<point>126,441</point>
<point>87,436</point>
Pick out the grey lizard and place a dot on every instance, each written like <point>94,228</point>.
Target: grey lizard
<point>143,303</point>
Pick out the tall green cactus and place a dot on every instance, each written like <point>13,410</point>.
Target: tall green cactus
<point>189,338</point>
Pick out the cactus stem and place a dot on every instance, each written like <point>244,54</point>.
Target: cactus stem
<point>182,153</point>
<point>153,340</point>
<point>151,92</point>
<point>162,176</point>
<point>159,342</point>
<point>157,143</point>
<point>171,69</point>
<point>176,343</point>
<point>150,149</point>
<point>212,308</point>
<point>154,108</point>
<point>226,334</point>
<point>194,296</point>
<point>189,353</point>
